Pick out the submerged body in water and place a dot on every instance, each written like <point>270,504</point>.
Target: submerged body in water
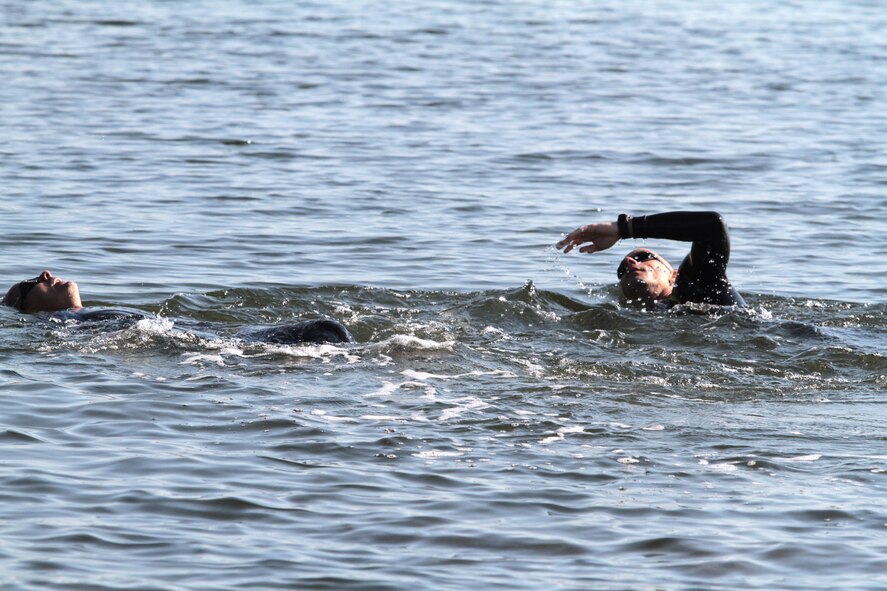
<point>47,293</point>
<point>317,331</point>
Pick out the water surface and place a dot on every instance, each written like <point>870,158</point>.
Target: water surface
<point>503,421</point>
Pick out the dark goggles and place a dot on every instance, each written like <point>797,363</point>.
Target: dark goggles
<point>642,256</point>
<point>24,288</point>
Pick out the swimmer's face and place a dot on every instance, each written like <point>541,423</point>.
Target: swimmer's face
<point>645,277</point>
<point>44,293</point>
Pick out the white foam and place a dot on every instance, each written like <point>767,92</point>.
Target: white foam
<point>560,433</point>
<point>402,342</point>
<point>324,352</point>
<point>470,403</point>
<point>157,325</point>
<point>198,358</point>
<point>331,418</point>
<point>533,369</point>
<point>722,467</point>
<point>387,389</point>
<point>419,375</point>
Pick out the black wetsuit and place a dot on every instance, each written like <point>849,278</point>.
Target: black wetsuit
<point>702,276</point>
<point>309,331</point>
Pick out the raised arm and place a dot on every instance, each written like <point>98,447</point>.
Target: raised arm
<point>705,229</point>
<point>702,276</point>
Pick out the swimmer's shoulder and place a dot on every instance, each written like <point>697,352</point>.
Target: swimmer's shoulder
<point>318,331</point>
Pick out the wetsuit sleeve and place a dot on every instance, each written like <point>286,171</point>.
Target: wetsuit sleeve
<point>705,229</point>
<point>702,276</point>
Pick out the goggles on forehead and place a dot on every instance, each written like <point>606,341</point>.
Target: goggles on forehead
<point>642,256</point>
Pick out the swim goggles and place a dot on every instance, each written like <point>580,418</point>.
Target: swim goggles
<point>644,255</point>
<point>24,288</point>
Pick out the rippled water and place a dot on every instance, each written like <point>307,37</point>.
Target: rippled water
<point>502,422</point>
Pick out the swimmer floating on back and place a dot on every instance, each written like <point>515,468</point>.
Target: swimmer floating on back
<point>47,293</point>
<point>650,281</point>
<point>44,293</point>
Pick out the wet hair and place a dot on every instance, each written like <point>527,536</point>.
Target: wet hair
<point>11,296</point>
<point>16,295</point>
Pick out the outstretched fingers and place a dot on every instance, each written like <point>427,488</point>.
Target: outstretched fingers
<point>595,237</point>
<point>572,240</point>
<point>565,245</point>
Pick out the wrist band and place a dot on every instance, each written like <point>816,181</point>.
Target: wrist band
<point>624,224</point>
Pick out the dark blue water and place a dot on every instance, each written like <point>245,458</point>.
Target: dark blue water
<point>503,422</point>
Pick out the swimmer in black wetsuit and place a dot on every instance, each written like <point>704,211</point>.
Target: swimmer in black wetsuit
<point>47,293</point>
<point>646,277</point>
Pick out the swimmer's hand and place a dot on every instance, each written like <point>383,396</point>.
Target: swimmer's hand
<point>599,236</point>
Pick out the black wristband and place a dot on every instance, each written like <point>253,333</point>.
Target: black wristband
<point>624,223</point>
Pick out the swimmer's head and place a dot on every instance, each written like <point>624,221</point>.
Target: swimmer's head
<point>645,277</point>
<point>43,293</point>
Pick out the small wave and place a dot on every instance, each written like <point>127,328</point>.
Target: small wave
<point>751,162</point>
<point>322,351</point>
<point>561,434</point>
<point>203,358</point>
<point>388,389</point>
<point>158,325</point>
<point>117,23</point>
<point>804,458</point>
<point>462,405</point>
<point>418,375</point>
<point>14,436</point>
<point>101,336</point>
<point>722,467</point>
<point>326,416</point>
<point>568,155</point>
<point>402,343</point>
<point>434,454</point>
